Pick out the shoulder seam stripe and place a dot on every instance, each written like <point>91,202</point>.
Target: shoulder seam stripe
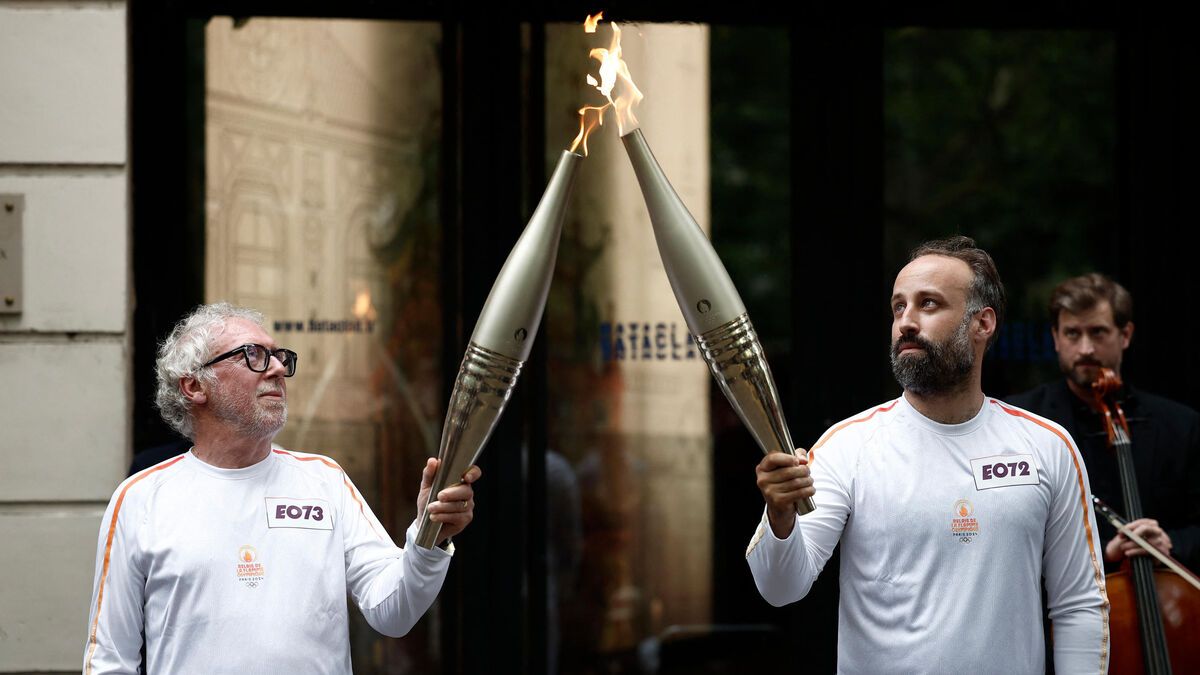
<point>112,530</point>
<point>326,462</point>
<point>361,508</point>
<point>345,481</point>
<point>1097,570</point>
<point>829,434</point>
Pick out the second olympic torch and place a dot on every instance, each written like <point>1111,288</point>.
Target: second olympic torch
<point>712,307</point>
<point>502,340</point>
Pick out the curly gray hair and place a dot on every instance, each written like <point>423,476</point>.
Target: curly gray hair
<point>191,344</point>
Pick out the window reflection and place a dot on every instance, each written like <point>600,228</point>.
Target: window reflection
<point>629,423</point>
<point>322,148</point>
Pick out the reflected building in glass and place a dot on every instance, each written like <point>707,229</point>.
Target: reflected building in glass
<point>322,151</point>
<point>628,394</point>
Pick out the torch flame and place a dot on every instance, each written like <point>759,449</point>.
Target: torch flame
<point>585,129</point>
<point>612,70</point>
<point>615,70</point>
<point>589,24</point>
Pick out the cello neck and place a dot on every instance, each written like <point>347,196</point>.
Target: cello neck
<point>1131,498</point>
<point>1154,637</point>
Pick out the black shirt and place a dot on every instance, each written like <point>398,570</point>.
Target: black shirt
<point>1166,456</point>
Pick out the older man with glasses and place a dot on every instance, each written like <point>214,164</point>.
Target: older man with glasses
<point>238,556</point>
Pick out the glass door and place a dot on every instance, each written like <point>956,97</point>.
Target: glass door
<point>323,147</point>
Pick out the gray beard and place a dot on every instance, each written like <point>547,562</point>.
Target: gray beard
<point>944,367</point>
<point>257,422</point>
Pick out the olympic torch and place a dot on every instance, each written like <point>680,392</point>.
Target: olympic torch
<point>501,342</point>
<point>710,303</point>
<point>712,307</point>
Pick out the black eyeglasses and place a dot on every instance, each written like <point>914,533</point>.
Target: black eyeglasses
<point>258,358</point>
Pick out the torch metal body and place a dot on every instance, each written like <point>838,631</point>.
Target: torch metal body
<point>484,383</point>
<point>712,308</point>
<point>501,341</point>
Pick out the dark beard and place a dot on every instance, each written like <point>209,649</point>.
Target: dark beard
<point>1078,376</point>
<point>944,367</point>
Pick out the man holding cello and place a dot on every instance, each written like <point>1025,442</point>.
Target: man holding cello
<point>1092,325</point>
<point>1143,457</point>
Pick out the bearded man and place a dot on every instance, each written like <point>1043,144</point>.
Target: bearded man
<point>949,505</point>
<point>238,556</point>
<point>1091,319</point>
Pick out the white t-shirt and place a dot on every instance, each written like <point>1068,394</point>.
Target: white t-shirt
<point>247,570</point>
<point>946,532</point>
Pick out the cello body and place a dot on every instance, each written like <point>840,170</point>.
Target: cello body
<point>1179,607</point>
<point>1153,612</point>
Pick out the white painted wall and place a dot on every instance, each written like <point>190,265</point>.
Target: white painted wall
<point>64,361</point>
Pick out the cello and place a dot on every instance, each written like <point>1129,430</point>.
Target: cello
<point>1150,608</point>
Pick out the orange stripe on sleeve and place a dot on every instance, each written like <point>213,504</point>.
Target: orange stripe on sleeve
<point>1097,569</point>
<point>345,480</point>
<point>112,531</point>
<point>363,510</point>
<point>829,434</point>
<point>327,462</point>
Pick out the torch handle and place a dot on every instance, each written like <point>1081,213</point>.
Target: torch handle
<point>484,383</point>
<point>805,505</point>
<point>736,359</point>
<point>428,531</point>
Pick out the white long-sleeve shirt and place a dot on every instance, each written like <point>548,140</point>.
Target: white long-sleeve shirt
<point>947,531</point>
<point>247,570</point>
